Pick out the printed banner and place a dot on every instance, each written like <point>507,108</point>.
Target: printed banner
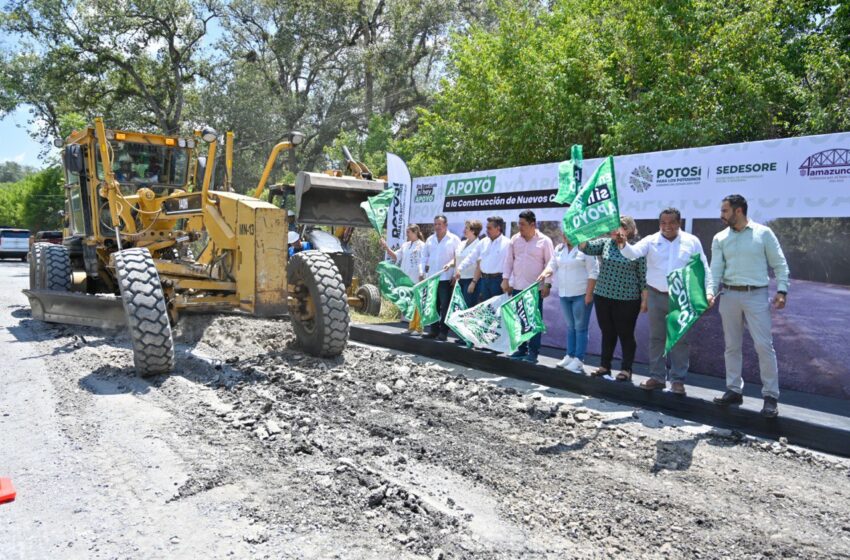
<point>522,317</point>
<point>569,176</point>
<point>594,212</point>
<point>398,177</point>
<point>397,287</point>
<point>804,177</point>
<point>425,299</point>
<point>376,208</point>
<point>688,299</point>
<point>481,325</point>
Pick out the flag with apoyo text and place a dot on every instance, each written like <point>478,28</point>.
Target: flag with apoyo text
<point>522,317</point>
<point>569,176</point>
<point>425,299</point>
<point>594,212</point>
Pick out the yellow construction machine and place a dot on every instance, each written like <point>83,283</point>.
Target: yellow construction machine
<point>147,239</point>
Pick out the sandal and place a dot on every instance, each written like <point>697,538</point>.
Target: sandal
<point>624,375</point>
<point>600,372</point>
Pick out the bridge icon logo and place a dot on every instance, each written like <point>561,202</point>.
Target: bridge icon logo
<point>834,162</point>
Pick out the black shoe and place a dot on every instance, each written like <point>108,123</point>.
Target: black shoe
<point>729,397</point>
<point>430,335</point>
<point>771,408</point>
<point>442,337</point>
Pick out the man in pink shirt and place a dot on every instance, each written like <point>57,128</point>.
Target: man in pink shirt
<point>528,254</point>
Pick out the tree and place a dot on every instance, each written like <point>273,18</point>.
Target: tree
<point>43,199</point>
<point>135,62</point>
<point>325,68</point>
<point>12,171</point>
<point>630,76</point>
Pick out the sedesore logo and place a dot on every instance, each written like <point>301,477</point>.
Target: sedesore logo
<point>828,164</point>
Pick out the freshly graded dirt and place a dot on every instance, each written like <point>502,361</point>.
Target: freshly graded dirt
<point>251,449</point>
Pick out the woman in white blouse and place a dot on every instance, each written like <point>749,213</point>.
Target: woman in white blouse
<point>408,255</point>
<point>471,231</point>
<point>576,275</point>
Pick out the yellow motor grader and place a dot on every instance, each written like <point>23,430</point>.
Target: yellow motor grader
<point>147,239</point>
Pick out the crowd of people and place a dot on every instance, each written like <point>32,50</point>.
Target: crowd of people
<point>621,275</point>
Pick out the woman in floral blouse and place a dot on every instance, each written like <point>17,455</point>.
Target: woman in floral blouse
<point>619,297</point>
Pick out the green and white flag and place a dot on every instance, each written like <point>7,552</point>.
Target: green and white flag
<point>397,287</point>
<point>594,212</point>
<point>481,325</point>
<point>688,299</point>
<point>522,317</point>
<point>569,176</point>
<point>457,302</point>
<point>376,208</point>
<point>425,299</point>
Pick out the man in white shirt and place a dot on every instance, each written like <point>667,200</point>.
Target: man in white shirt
<point>665,251</point>
<point>440,249</point>
<point>489,255</point>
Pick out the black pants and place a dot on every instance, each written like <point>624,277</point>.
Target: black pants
<point>617,319</point>
<point>444,296</point>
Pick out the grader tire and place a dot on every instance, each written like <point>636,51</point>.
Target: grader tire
<point>147,315</point>
<point>37,265</point>
<point>371,298</point>
<point>324,330</point>
<point>56,268</point>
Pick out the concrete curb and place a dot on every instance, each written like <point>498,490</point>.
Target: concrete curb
<point>801,432</point>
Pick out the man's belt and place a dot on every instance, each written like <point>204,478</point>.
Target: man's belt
<point>494,275</point>
<point>744,288</point>
<point>656,290</point>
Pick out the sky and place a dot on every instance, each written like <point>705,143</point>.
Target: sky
<point>15,142</point>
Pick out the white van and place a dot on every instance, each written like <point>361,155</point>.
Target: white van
<point>14,243</point>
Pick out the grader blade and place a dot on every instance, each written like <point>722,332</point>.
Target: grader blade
<point>101,311</point>
<point>322,199</point>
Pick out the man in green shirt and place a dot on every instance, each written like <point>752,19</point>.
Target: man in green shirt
<point>740,257</point>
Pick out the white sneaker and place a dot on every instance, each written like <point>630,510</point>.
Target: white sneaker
<point>575,366</point>
<point>566,361</point>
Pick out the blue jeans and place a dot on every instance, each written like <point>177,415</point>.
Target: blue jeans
<point>532,347</point>
<point>489,287</point>
<point>577,314</point>
<point>470,299</point>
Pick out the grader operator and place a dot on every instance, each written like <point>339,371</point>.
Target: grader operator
<point>146,240</point>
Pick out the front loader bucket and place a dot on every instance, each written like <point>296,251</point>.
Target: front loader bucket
<point>102,311</point>
<point>325,200</point>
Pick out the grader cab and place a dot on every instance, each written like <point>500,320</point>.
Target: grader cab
<point>146,240</point>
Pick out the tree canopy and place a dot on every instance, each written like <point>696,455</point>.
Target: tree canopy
<point>451,85</point>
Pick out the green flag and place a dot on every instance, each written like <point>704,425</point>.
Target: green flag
<point>457,303</point>
<point>594,211</point>
<point>522,317</point>
<point>481,325</point>
<point>425,299</point>
<point>376,208</point>
<point>569,176</point>
<point>397,287</point>
<point>688,299</point>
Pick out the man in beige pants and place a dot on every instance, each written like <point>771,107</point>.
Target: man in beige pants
<point>740,257</point>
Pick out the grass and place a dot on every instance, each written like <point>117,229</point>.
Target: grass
<point>389,314</point>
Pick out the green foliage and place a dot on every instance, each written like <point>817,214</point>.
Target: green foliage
<point>631,76</point>
<point>12,172</point>
<point>370,148</point>
<point>33,202</point>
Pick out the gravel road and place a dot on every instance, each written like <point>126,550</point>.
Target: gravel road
<point>251,449</point>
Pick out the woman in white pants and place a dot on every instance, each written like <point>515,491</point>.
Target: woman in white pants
<point>576,275</point>
<point>408,255</point>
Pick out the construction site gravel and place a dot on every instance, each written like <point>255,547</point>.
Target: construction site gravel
<point>252,449</point>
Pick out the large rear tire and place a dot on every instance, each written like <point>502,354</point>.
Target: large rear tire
<point>371,298</point>
<point>147,314</point>
<point>57,268</point>
<point>37,265</point>
<point>321,318</point>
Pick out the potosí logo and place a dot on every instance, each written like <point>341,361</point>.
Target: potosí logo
<point>471,186</point>
<point>690,175</point>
